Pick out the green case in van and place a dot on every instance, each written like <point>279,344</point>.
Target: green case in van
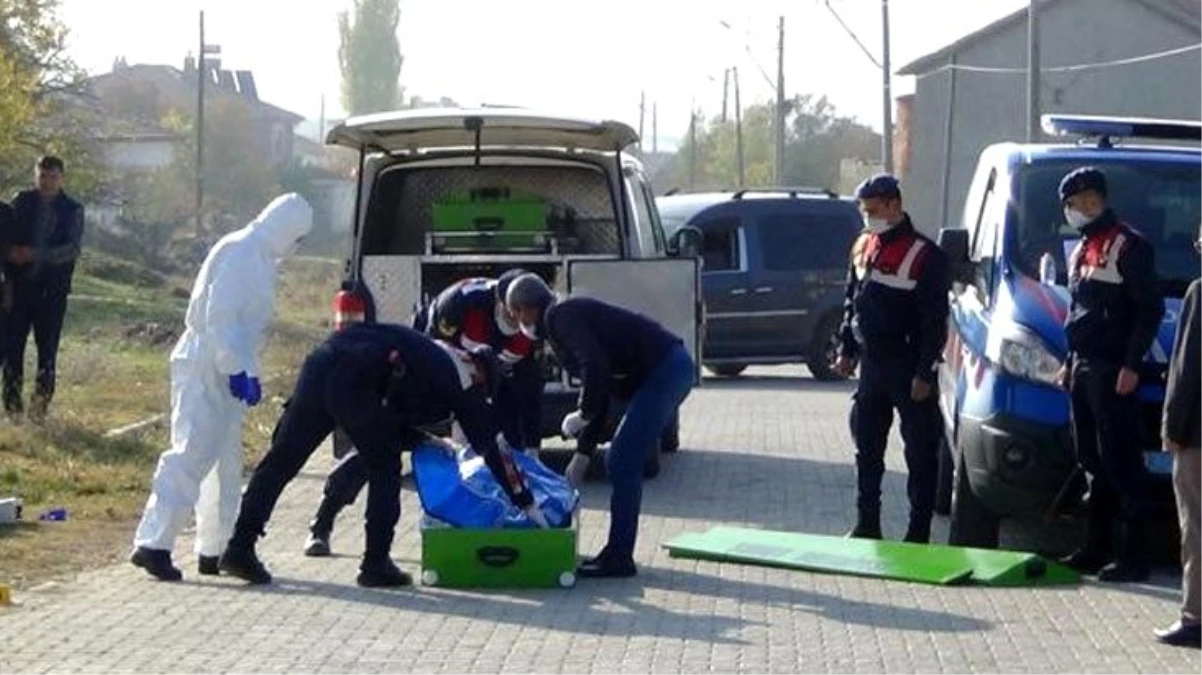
<point>503,219</point>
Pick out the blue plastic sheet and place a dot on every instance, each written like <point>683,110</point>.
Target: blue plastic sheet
<point>461,491</point>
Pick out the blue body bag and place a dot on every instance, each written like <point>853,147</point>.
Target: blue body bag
<point>462,492</point>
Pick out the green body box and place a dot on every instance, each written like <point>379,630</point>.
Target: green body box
<point>499,218</point>
<point>498,558</point>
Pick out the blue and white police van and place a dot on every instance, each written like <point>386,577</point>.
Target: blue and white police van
<point>1006,419</point>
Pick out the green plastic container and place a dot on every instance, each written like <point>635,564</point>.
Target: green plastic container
<point>499,218</point>
<point>498,558</point>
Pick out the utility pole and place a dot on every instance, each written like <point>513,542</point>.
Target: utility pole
<point>779,124</point>
<point>321,121</point>
<point>692,145</point>
<point>1033,66</point>
<point>201,68</point>
<point>739,131</point>
<point>887,119</point>
<point>642,115</point>
<point>654,127</point>
<point>725,92</point>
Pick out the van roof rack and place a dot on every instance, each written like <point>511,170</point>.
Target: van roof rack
<point>1106,128</point>
<point>791,191</point>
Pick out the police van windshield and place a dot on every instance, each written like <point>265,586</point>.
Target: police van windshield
<point>1163,200</point>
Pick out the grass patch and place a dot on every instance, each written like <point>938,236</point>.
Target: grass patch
<point>121,325</point>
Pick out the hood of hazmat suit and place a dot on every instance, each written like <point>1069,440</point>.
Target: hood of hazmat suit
<point>233,298</point>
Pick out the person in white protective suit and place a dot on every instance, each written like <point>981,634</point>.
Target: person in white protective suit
<point>214,377</point>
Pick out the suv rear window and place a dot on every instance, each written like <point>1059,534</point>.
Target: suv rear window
<point>578,207</point>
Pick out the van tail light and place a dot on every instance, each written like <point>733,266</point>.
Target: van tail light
<point>349,308</point>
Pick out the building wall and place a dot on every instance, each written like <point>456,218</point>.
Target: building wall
<point>139,155</point>
<point>989,108</point>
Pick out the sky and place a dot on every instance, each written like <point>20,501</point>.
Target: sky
<point>591,58</point>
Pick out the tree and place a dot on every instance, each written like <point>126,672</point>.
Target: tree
<point>41,91</point>
<point>369,56</point>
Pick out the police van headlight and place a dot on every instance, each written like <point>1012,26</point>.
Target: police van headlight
<point>1022,354</point>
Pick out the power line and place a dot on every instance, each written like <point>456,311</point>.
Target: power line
<point>1064,69</point>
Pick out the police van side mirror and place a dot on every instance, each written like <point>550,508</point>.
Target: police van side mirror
<point>685,243</point>
<point>954,243</point>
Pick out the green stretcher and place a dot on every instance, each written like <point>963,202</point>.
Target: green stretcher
<point>924,563</point>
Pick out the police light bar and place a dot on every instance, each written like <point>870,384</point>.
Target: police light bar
<point>1121,127</point>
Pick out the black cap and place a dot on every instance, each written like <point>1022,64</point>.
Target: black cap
<point>880,186</point>
<point>1081,180</point>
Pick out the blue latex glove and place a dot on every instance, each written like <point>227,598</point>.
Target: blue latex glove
<point>256,392</point>
<point>240,387</point>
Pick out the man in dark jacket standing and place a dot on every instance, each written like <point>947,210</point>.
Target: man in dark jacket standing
<point>1182,434</point>
<point>1114,317</point>
<point>895,325</point>
<point>46,239</point>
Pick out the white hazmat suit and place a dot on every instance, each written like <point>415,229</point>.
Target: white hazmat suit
<point>232,303</point>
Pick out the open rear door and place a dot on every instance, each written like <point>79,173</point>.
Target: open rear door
<point>664,289</point>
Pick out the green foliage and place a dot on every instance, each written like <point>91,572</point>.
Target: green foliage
<point>369,56</point>
<point>816,139</point>
<point>40,91</point>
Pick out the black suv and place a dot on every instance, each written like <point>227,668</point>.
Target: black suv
<point>774,273</point>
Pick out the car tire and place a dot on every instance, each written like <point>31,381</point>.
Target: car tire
<point>727,370</point>
<point>945,478</point>
<point>823,350</point>
<point>670,440</point>
<point>973,523</point>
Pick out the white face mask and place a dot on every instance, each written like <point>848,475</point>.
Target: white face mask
<point>1075,218</point>
<point>876,225</point>
<point>530,331</point>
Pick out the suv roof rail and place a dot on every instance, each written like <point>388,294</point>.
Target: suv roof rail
<point>791,191</point>
<point>1106,128</point>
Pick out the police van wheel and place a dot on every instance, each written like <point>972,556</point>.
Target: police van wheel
<point>973,524</point>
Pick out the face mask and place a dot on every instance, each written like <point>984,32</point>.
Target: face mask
<point>1076,218</point>
<point>876,225</point>
<point>530,331</point>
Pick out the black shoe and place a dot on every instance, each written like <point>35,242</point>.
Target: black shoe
<point>318,545</point>
<point>604,566</point>
<point>1085,561</point>
<point>157,562</point>
<point>1181,634</point>
<point>1124,572</point>
<point>864,530</point>
<point>382,574</point>
<point>244,564</point>
<point>208,565</point>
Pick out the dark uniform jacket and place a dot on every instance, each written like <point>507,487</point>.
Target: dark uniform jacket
<point>1183,393</point>
<point>1116,301</point>
<point>397,376</point>
<point>611,349</point>
<point>895,307</point>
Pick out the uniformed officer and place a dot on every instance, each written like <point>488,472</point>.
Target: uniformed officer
<point>615,352</point>
<point>894,327</point>
<point>1114,317</point>
<point>470,314</point>
<point>377,382</point>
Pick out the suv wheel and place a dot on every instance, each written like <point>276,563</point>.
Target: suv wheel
<point>824,350</point>
<point>727,370</point>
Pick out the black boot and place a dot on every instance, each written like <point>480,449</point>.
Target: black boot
<point>1131,565</point>
<point>208,565</point>
<point>868,525</point>
<point>382,573</point>
<point>242,562</point>
<point>919,530</point>
<point>318,543</point>
<point>157,562</point>
<point>605,565</point>
<point>1094,552</point>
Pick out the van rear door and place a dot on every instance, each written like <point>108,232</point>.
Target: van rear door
<point>664,289</point>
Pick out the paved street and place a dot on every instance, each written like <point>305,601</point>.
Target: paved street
<point>770,450</point>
